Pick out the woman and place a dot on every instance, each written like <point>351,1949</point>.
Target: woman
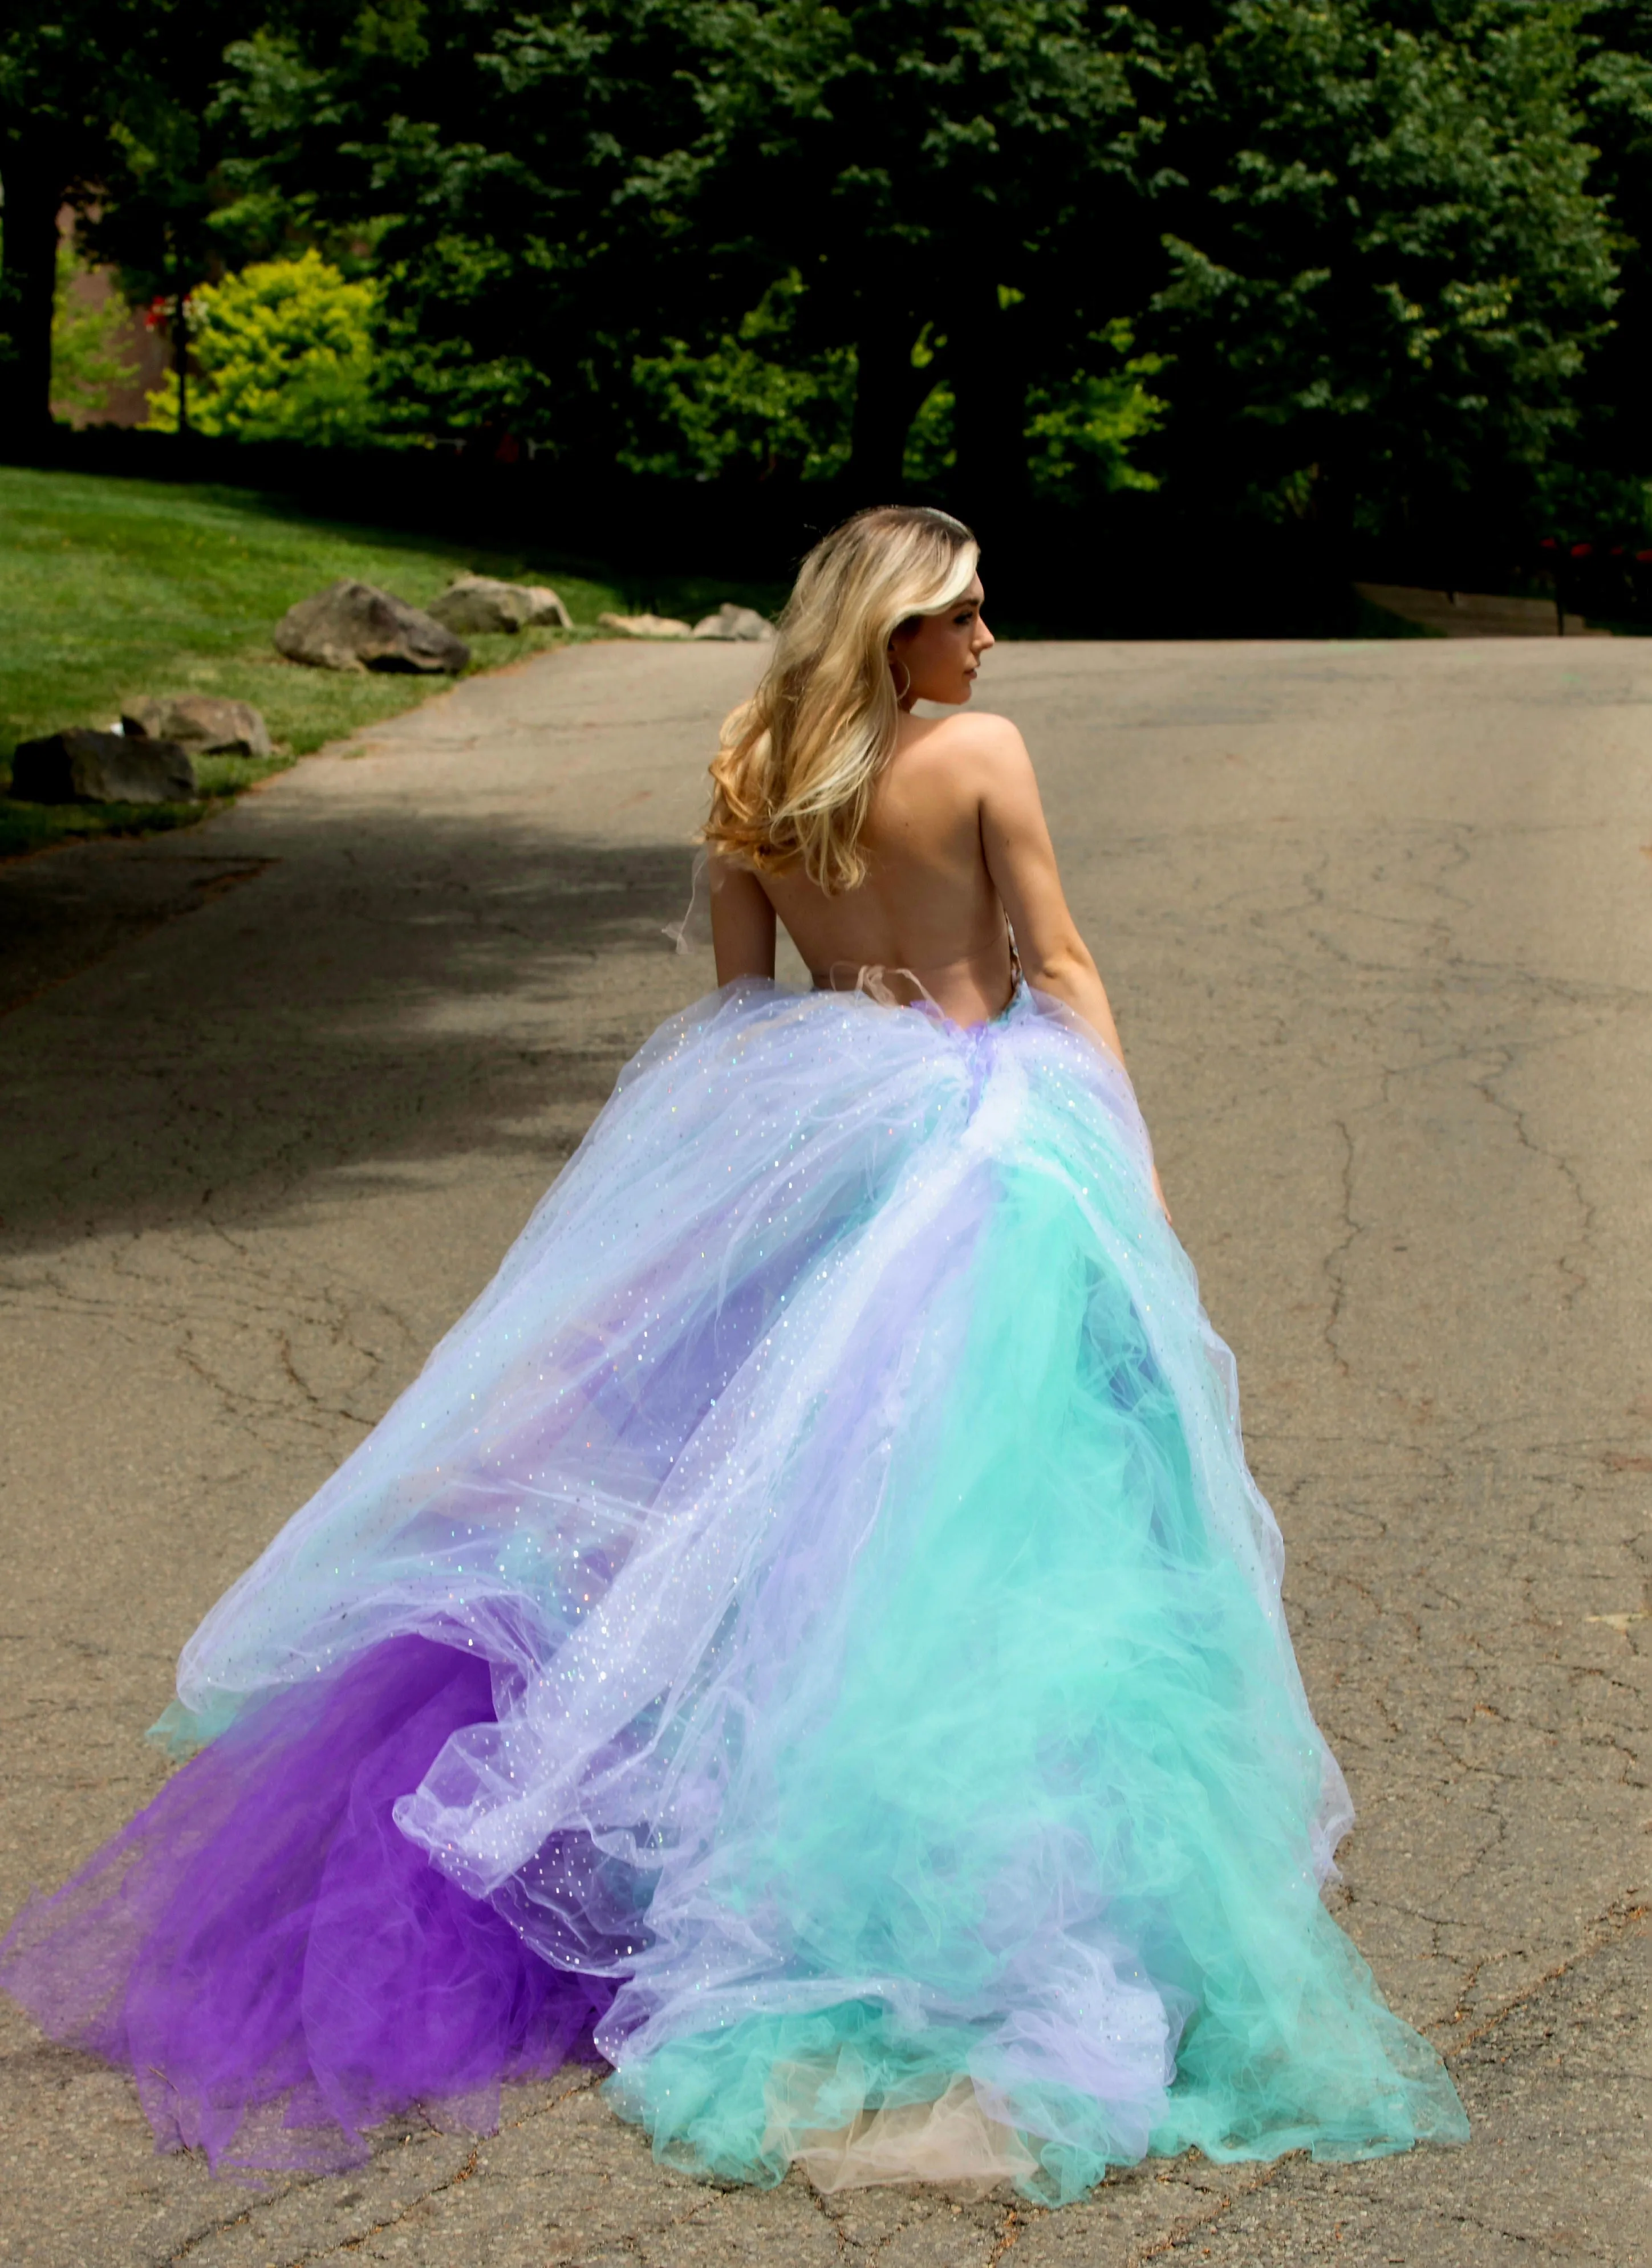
<point>810,1635</point>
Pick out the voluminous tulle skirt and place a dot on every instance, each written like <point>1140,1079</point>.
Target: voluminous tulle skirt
<point>810,1636</point>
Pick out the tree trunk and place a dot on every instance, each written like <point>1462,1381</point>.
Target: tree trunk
<point>29,287</point>
<point>180,338</point>
<point>887,393</point>
<point>989,383</point>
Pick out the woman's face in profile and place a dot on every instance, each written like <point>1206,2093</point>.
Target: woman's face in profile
<point>940,654</point>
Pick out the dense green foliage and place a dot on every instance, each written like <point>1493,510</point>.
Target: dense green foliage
<point>1373,263</point>
<point>595,220</point>
<point>284,352</point>
<point>1615,394</point>
<point>1388,290</point>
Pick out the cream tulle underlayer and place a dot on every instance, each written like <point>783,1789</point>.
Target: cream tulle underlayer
<point>955,2139</point>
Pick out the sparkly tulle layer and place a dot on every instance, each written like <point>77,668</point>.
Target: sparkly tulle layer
<point>891,1733</point>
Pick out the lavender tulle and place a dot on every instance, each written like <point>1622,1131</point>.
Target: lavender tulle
<point>811,1620</point>
<point>276,1965</point>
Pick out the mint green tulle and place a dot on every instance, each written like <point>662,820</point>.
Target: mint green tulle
<point>1057,1737</point>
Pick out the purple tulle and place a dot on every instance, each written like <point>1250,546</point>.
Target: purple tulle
<point>273,1961</point>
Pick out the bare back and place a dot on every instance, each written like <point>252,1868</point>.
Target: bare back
<point>928,906</point>
<point>957,843</point>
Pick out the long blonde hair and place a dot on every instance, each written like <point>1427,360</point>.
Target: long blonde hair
<point>796,764</point>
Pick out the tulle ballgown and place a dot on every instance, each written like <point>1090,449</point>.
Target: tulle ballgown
<point>809,1638</point>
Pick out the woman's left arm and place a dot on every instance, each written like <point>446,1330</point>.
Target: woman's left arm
<point>742,921</point>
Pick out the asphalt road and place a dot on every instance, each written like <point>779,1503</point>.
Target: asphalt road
<point>278,1093</point>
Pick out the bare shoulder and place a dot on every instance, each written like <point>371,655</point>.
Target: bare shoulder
<point>989,748</point>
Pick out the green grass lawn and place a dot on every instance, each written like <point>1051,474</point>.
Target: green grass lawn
<point>113,589</point>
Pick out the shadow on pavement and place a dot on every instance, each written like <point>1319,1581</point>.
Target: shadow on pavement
<point>193,1024</point>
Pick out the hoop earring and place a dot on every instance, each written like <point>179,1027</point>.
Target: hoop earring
<point>897,663</point>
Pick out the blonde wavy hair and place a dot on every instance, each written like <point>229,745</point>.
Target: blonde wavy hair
<point>792,777</point>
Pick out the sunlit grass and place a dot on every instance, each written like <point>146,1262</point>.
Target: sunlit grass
<point>113,589</point>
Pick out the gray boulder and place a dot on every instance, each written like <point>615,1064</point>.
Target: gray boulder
<point>200,721</point>
<point>353,626</point>
<point>479,604</point>
<point>78,766</point>
<point>732,621</point>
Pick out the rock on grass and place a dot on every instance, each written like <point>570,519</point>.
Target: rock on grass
<point>354,626</point>
<point>205,722</point>
<point>79,766</point>
<point>480,605</point>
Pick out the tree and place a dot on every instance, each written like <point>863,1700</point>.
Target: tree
<point>53,135</point>
<point>1610,464</point>
<point>1355,246</point>
<point>522,180</point>
<point>569,197</point>
<point>105,105</point>
<point>158,190</point>
<point>753,400</point>
<point>1388,267</point>
<point>934,168</point>
<point>284,352</point>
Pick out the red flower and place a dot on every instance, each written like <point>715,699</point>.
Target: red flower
<point>162,312</point>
